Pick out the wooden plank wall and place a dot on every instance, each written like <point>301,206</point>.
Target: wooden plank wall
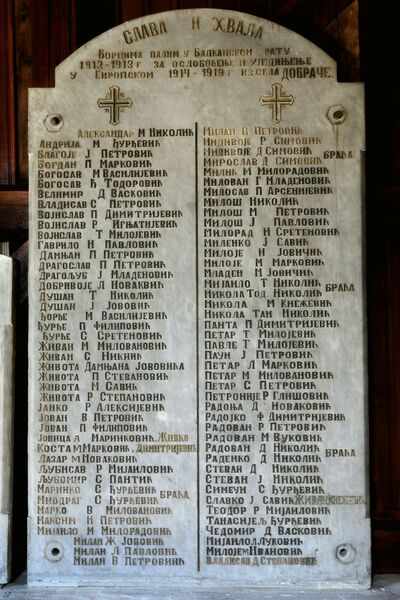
<point>380,63</point>
<point>38,34</point>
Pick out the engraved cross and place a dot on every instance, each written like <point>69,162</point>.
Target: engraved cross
<point>276,100</point>
<point>114,103</point>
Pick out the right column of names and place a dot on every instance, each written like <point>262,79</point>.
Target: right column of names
<point>268,221</point>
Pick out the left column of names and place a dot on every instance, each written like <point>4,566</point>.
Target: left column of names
<point>115,398</point>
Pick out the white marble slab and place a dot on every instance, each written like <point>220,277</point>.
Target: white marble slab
<point>197,364</point>
<point>385,587</point>
<point>6,414</point>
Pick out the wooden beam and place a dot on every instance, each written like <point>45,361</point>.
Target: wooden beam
<point>45,34</point>
<point>341,40</point>
<point>7,112</point>
<point>14,213</point>
<point>385,545</point>
<point>311,15</point>
<point>383,215</point>
<point>133,10</point>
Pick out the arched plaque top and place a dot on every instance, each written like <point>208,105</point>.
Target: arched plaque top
<point>199,34</point>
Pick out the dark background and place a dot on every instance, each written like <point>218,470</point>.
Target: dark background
<point>37,34</point>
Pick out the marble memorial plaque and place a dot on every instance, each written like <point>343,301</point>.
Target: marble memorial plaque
<point>6,413</point>
<point>197,362</point>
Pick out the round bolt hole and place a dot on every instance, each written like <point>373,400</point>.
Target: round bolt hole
<point>338,114</point>
<point>53,123</point>
<point>345,553</point>
<point>54,551</point>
